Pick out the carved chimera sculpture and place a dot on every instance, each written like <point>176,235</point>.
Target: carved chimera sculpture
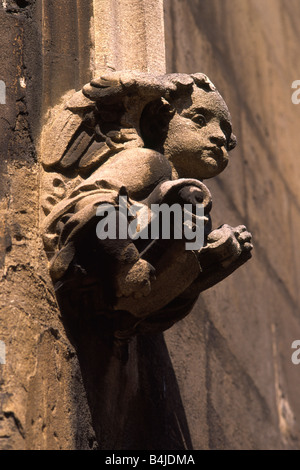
<point>154,139</point>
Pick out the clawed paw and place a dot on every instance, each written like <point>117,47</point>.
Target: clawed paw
<point>226,244</point>
<point>243,237</point>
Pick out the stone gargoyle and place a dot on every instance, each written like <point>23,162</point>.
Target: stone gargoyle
<point>151,139</point>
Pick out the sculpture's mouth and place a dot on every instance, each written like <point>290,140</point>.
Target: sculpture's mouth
<point>215,159</point>
<point>216,151</point>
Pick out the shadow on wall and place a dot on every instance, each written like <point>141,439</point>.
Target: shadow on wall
<point>134,401</point>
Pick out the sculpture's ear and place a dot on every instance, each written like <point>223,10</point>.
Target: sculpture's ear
<point>160,108</point>
<point>155,121</point>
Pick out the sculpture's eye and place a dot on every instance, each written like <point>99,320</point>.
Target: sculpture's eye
<point>199,119</point>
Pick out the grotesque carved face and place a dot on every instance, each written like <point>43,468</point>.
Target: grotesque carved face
<point>198,135</point>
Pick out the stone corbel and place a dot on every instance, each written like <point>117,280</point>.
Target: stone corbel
<point>149,140</point>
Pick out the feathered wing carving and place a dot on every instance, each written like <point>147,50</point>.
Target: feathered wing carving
<point>71,139</point>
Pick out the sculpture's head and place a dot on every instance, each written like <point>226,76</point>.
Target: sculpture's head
<point>192,128</point>
<point>182,116</point>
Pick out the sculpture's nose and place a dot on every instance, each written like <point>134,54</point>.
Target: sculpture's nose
<point>217,136</point>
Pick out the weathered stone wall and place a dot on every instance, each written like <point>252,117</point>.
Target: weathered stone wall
<point>38,406</point>
<point>232,355</point>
